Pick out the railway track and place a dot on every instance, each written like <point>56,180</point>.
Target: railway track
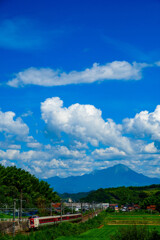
<point>90,215</point>
<point>84,219</point>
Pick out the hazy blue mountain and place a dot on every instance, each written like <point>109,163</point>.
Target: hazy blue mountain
<point>119,175</point>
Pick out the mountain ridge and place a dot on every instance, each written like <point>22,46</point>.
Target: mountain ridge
<point>116,176</point>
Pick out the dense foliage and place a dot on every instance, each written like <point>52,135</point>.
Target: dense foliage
<point>15,182</point>
<point>144,196</point>
<point>135,233</point>
<point>74,196</point>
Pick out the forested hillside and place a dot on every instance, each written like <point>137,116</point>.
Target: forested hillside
<point>144,196</point>
<point>16,183</point>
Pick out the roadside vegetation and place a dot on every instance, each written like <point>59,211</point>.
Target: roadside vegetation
<point>105,226</point>
<point>62,229</point>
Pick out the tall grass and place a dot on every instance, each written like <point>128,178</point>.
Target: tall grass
<point>135,232</point>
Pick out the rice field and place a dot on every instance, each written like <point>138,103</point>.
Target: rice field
<point>115,221</point>
<point>133,219</point>
<point>94,234</point>
<point>100,234</point>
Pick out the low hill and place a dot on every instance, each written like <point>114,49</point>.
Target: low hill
<point>144,196</point>
<point>119,175</point>
<point>74,196</point>
<point>15,182</point>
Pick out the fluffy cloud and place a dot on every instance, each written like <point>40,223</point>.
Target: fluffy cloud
<point>144,124</point>
<point>14,146</point>
<point>79,145</point>
<point>64,152</point>
<point>117,70</point>
<point>54,163</point>
<point>44,164</point>
<point>6,145</point>
<point>129,142</point>
<point>10,154</point>
<point>108,153</point>
<point>150,148</point>
<point>12,126</point>
<point>34,145</point>
<point>83,122</point>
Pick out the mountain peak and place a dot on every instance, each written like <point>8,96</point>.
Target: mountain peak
<point>120,167</point>
<point>116,176</point>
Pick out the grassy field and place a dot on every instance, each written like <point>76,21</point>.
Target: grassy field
<point>95,234</point>
<point>126,219</point>
<point>100,234</point>
<point>115,221</point>
<point>3,215</point>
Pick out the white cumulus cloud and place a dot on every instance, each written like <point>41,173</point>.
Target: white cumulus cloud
<point>117,70</point>
<point>12,126</point>
<point>108,153</point>
<point>34,145</point>
<point>84,122</point>
<point>150,148</point>
<point>144,124</point>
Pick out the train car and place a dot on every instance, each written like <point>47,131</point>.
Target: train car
<point>35,222</point>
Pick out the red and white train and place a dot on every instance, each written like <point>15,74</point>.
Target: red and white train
<point>36,222</point>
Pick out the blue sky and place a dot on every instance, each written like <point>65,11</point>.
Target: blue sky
<point>79,86</point>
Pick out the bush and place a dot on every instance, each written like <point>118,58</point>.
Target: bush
<point>110,210</point>
<point>135,233</point>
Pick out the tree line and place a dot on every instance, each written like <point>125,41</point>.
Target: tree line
<point>16,183</point>
<point>144,196</point>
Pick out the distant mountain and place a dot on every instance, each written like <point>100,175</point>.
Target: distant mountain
<point>119,175</point>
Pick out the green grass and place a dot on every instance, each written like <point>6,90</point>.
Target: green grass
<point>124,220</point>
<point>94,234</point>
<point>119,219</point>
<point>101,234</point>
<point>3,215</point>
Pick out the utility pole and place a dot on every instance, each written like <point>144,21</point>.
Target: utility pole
<point>51,209</point>
<point>92,209</point>
<point>21,201</point>
<point>89,209</point>
<point>81,208</point>
<point>20,214</point>
<point>14,210</point>
<point>72,207</point>
<point>61,210</point>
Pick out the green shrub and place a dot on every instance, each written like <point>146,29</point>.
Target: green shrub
<point>135,233</point>
<point>110,210</point>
